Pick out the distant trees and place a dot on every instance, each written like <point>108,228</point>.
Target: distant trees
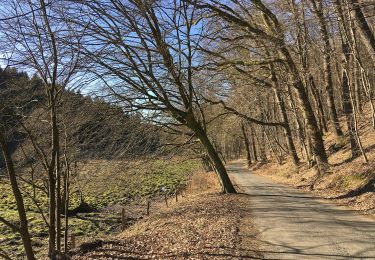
<point>271,34</point>
<point>90,130</point>
<point>273,46</point>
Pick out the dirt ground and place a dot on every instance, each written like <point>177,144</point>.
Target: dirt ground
<point>201,225</point>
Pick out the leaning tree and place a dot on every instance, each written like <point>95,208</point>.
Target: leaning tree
<point>145,53</point>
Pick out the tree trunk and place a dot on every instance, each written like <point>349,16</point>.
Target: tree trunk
<point>262,147</point>
<point>287,130</point>
<point>299,128</point>
<point>367,35</point>
<point>66,203</point>
<point>247,145</point>
<point>312,128</point>
<point>327,68</point>
<point>52,185</point>
<point>23,228</point>
<point>253,143</point>
<point>319,105</point>
<point>357,89</point>
<point>347,106</point>
<point>284,117</point>
<point>59,207</point>
<point>273,149</point>
<point>214,156</point>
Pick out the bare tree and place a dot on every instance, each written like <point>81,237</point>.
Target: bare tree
<point>22,228</point>
<point>318,9</point>
<point>40,41</point>
<point>272,32</point>
<point>144,53</point>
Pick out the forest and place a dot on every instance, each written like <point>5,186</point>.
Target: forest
<point>110,105</point>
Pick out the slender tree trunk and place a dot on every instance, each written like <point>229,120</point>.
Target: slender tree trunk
<point>272,147</point>
<point>357,89</point>
<point>66,203</point>
<point>247,145</point>
<point>365,32</point>
<point>262,146</point>
<point>52,186</point>
<point>23,229</point>
<point>327,68</point>
<point>365,159</point>
<point>347,104</point>
<point>312,127</point>
<point>299,129</point>
<point>253,143</point>
<point>287,130</point>
<point>58,201</point>
<point>284,117</point>
<point>319,105</point>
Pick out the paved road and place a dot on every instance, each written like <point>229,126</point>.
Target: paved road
<point>296,225</point>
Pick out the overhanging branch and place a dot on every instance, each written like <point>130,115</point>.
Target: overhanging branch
<point>246,117</point>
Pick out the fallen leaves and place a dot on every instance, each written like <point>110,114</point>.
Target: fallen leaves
<point>202,227</point>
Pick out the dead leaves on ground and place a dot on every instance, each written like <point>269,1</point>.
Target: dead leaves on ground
<point>203,227</point>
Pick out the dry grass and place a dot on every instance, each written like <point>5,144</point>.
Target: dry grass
<point>202,182</point>
<point>345,178</point>
<point>203,225</point>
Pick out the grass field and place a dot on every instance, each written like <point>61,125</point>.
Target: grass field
<point>107,186</point>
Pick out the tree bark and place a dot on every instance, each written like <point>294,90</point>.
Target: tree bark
<point>288,132</point>
<point>247,145</point>
<point>347,105</point>
<point>284,117</point>
<point>52,182</point>
<point>366,34</point>
<point>212,153</point>
<point>312,128</point>
<point>253,143</point>
<point>319,105</point>
<point>23,228</point>
<point>327,68</point>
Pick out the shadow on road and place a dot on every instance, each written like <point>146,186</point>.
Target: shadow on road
<point>296,225</point>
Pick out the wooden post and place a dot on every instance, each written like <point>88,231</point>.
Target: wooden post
<point>176,193</point>
<point>123,220</point>
<point>148,208</point>
<point>166,200</point>
<point>72,241</point>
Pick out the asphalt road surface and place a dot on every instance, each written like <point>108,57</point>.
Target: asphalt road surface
<point>296,225</point>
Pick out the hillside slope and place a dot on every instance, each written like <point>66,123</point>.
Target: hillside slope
<point>347,181</point>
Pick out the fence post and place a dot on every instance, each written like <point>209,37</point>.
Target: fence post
<point>72,241</point>
<point>166,200</point>
<point>148,208</point>
<point>123,220</point>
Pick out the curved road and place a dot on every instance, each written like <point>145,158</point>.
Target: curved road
<point>296,225</point>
